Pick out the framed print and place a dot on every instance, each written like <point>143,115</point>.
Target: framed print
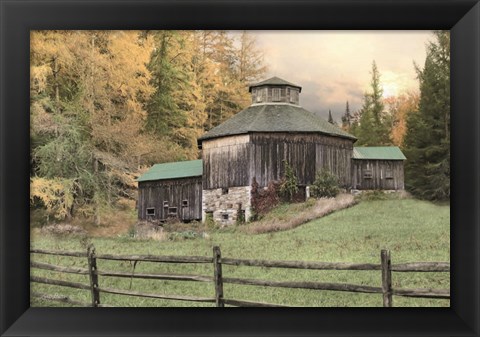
<point>230,194</point>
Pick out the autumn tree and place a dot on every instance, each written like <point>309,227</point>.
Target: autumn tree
<point>106,104</point>
<point>239,63</point>
<point>88,89</point>
<point>249,58</point>
<point>399,108</point>
<point>427,140</point>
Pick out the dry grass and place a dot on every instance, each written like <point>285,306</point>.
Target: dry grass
<point>63,229</point>
<point>290,216</point>
<point>146,231</point>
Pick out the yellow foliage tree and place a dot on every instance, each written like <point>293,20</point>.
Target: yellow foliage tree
<point>399,107</point>
<point>57,195</point>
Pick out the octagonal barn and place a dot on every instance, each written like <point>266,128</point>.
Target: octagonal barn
<point>256,142</point>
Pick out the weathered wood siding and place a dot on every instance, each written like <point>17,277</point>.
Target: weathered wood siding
<point>385,174</point>
<point>234,161</point>
<point>173,192</point>
<point>225,162</point>
<point>306,154</point>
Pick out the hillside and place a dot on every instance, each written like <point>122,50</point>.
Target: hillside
<point>413,230</point>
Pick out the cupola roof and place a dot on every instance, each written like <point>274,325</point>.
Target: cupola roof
<point>274,82</point>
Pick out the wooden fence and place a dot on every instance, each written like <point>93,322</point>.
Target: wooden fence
<point>218,279</point>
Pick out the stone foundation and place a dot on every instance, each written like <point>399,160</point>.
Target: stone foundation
<point>225,204</point>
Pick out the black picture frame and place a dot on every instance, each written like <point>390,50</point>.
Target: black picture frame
<point>18,17</point>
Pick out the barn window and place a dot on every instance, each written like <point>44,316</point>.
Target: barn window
<point>276,95</point>
<point>259,95</point>
<point>367,174</point>
<point>389,174</point>
<point>150,211</point>
<point>185,203</point>
<point>225,216</point>
<point>293,96</point>
<point>172,210</point>
<point>224,190</point>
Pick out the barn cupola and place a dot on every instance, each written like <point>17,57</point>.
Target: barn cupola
<point>274,91</point>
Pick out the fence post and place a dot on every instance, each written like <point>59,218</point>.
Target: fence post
<point>386,278</point>
<point>217,270</point>
<point>92,271</point>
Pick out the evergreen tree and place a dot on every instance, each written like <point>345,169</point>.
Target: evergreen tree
<point>427,140</point>
<point>372,128</point>
<point>346,118</point>
<point>330,118</point>
<point>106,104</point>
<point>88,90</point>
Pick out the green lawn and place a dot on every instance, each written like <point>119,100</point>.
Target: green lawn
<point>413,230</point>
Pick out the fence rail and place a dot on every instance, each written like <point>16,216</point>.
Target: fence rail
<point>218,279</point>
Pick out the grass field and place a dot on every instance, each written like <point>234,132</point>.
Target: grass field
<point>413,230</point>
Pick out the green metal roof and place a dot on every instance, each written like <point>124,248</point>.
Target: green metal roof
<point>378,152</point>
<point>274,81</point>
<point>274,118</point>
<point>179,169</point>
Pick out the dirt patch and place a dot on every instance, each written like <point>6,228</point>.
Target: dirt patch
<point>320,208</point>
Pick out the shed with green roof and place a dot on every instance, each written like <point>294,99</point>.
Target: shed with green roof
<point>171,190</point>
<point>378,168</point>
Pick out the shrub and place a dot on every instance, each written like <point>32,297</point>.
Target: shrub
<point>263,200</point>
<point>209,222</point>
<point>240,215</point>
<point>325,185</point>
<point>289,185</point>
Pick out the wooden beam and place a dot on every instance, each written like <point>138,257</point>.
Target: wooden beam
<point>156,258</point>
<point>164,297</point>
<point>302,264</point>
<point>217,267</point>
<point>46,266</point>
<point>386,278</point>
<point>305,285</point>
<point>423,293</point>
<point>241,303</point>
<point>422,267</point>
<point>44,280</point>
<point>173,277</point>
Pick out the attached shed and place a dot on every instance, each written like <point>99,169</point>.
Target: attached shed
<point>171,190</point>
<point>378,168</point>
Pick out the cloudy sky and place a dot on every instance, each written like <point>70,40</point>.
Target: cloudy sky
<point>335,66</point>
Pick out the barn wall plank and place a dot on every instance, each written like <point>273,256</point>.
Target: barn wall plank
<point>153,194</point>
<point>379,170</point>
<point>307,153</point>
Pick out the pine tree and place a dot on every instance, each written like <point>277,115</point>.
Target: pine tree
<point>427,140</point>
<point>330,118</point>
<point>372,128</point>
<point>346,118</point>
<point>88,90</point>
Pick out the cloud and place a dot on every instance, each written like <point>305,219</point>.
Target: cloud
<point>334,66</point>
